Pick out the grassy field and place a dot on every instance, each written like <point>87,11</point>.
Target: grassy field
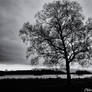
<point>46,85</point>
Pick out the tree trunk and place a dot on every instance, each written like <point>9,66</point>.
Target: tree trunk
<point>68,73</point>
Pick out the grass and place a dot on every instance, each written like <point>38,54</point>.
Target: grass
<point>77,85</point>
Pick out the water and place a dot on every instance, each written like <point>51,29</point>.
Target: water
<point>73,76</point>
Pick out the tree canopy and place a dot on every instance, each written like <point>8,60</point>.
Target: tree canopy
<point>60,33</point>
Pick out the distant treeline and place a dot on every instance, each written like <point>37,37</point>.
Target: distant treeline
<point>41,72</point>
<point>31,72</point>
<point>81,72</point>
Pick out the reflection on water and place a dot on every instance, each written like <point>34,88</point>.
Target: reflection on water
<point>73,76</point>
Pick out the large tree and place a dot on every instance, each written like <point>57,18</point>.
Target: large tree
<point>60,33</point>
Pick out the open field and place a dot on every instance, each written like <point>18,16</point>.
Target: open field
<point>45,85</point>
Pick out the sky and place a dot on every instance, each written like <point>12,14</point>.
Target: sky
<point>13,14</point>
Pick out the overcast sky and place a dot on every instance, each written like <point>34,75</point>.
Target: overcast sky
<point>13,13</point>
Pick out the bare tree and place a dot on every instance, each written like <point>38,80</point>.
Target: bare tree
<point>60,33</point>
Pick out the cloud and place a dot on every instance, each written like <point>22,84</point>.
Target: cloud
<point>12,52</point>
<point>9,14</point>
<point>13,13</point>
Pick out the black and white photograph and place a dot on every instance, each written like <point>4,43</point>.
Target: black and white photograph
<point>46,45</point>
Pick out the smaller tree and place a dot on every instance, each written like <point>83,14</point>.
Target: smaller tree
<point>60,33</point>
